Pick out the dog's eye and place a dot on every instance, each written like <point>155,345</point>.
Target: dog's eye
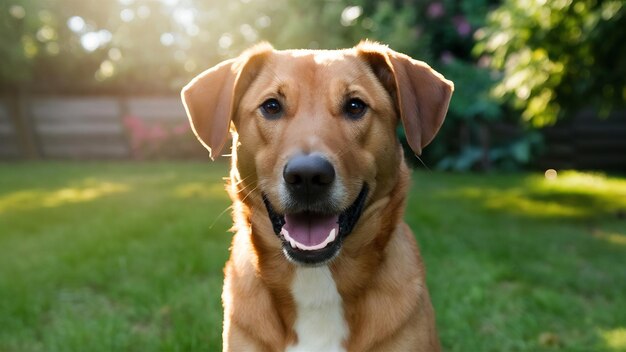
<point>355,108</point>
<point>271,109</point>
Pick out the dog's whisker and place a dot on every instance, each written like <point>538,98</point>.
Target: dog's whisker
<point>423,163</point>
<point>220,215</point>
<point>236,184</point>
<point>240,190</point>
<point>249,193</point>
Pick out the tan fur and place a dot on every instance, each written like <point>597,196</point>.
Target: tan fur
<point>379,272</point>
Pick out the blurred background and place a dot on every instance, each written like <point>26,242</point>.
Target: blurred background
<point>539,83</point>
<point>113,224</point>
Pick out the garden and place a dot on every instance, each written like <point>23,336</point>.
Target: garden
<point>114,224</point>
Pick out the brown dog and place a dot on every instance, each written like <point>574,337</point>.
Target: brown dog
<point>321,259</point>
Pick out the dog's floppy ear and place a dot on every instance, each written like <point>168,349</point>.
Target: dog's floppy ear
<point>210,97</point>
<point>421,94</point>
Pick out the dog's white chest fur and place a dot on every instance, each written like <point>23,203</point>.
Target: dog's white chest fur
<point>320,324</point>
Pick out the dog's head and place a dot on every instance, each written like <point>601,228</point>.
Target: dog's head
<point>316,133</point>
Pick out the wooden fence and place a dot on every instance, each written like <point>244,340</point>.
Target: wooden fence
<point>79,127</point>
<point>586,142</point>
<point>93,127</point>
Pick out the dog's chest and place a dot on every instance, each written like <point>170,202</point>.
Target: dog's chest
<point>320,324</point>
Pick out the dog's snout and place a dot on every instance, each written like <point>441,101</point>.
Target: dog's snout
<point>308,174</point>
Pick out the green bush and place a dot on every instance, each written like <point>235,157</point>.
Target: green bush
<point>558,56</point>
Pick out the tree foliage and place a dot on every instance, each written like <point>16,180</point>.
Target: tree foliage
<point>558,56</point>
<point>151,46</point>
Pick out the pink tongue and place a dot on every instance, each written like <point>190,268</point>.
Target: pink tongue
<point>309,229</point>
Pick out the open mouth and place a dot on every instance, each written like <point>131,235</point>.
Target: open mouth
<point>315,238</point>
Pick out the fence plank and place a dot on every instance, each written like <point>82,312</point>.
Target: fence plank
<point>71,109</point>
<point>79,127</point>
<point>82,151</point>
<point>159,108</point>
<point>95,128</point>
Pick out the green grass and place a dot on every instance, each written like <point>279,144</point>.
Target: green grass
<point>129,257</point>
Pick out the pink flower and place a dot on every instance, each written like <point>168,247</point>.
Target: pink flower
<point>132,121</point>
<point>435,10</point>
<point>158,132</point>
<point>136,129</point>
<point>462,26</point>
<point>180,129</point>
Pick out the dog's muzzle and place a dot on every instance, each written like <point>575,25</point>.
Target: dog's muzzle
<point>312,229</point>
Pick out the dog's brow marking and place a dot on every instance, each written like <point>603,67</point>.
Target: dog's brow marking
<point>360,75</point>
<point>275,75</point>
<point>320,325</point>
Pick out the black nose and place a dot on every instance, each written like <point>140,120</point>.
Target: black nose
<point>308,174</point>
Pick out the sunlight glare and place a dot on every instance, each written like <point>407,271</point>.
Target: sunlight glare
<point>76,24</point>
<point>115,54</point>
<point>611,237</point>
<point>192,30</point>
<point>184,16</point>
<point>53,48</point>
<point>225,41</point>
<point>248,32</point>
<point>143,12</point>
<point>551,174</point>
<point>17,11</point>
<point>167,39</point>
<point>190,66</point>
<point>90,41</point>
<point>107,68</point>
<point>46,33</point>
<point>263,22</point>
<point>89,190</point>
<point>615,339</point>
<point>127,15</point>
<point>104,36</point>
<point>200,190</point>
<point>350,14</point>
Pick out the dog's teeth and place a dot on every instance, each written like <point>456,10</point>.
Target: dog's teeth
<point>285,234</point>
<point>332,235</point>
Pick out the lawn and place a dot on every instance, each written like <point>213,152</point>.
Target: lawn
<point>128,257</point>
